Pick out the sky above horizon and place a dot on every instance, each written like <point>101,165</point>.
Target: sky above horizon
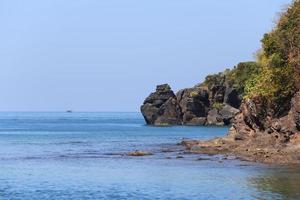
<point>91,55</point>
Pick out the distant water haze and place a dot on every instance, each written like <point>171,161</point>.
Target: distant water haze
<point>109,55</point>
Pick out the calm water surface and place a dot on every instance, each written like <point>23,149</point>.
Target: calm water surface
<point>81,156</point>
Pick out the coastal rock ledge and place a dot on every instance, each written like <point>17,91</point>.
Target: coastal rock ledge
<point>257,136</point>
<point>191,106</point>
<point>266,123</point>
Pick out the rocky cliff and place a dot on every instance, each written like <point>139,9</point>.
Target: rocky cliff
<point>257,135</point>
<point>272,103</point>
<point>267,128</point>
<point>213,102</point>
<point>260,99</point>
<point>198,105</point>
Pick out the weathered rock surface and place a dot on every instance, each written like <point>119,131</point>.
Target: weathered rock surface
<point>161,107</point>
<point>217,93</point>
<point>257,134</point>
<point>191,106</point>
<point>232,97</point>
<point>221,117</point>
<point>194,104</point>
<point>295,111</point>
<point>214,118</point>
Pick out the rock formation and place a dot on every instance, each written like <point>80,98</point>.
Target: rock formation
<point>194,104</point>
<point>191,106</point>
<point>255,119</point>
<point>161,107</point>
<point>257,135</point>
<point>266,123</point>
<point>221,117</point>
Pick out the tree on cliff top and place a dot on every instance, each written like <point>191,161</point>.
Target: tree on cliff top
<point>279,61</point>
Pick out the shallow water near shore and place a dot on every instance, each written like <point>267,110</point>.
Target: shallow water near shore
<point>83,156</point>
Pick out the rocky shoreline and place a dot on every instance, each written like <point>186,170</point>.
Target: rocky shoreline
<point>261,100</point>
<point>252,150</point>
<point>256,134</point>
<point>257,137</point>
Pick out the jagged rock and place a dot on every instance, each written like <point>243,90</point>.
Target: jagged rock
<point>255,113</point>
<point>227,113</point>
<point>190,106</point>
<point>221,117</point>
<point>232,97</point>
<point>268,127</point>
<point>214,118</point>
<point>276,125</point>
<point>256,118</point>
<point>217,93</point>
<point>161,107</point>
<point>194,104</point>
<point>295,110</point>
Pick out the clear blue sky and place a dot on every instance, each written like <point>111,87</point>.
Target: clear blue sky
<point>108,55</point>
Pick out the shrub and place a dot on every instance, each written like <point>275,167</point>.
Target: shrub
<point>275,76</point>
<point>241,74</point>
<point>193,94</point>
<point>215,79</point>
<point>278,59</point>
<point>217,106</point>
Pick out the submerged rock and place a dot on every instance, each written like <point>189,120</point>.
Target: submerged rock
<point>140,153</point>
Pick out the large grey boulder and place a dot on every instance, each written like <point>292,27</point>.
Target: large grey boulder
<point>222,116</point>
<point>161,107</point>
<point>228,113</point>
<point>214,118</point>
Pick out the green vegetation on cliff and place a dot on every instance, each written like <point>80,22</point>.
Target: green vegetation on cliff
<point>237,77</point>
<point>242,74</point>
<point>278,59</point>
<point>275,76</point>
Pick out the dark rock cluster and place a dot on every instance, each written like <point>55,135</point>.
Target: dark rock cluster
<point>256,118</point>
<point>161,107</point>
<point>191,106</point>
<point>194,104</point>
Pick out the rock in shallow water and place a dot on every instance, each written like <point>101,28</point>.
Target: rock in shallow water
<point>140,153</point>
<point>161,107</point>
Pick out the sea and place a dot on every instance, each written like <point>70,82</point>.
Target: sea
<point>61,155</point>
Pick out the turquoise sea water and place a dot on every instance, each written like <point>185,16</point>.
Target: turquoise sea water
<point>82,156</point>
